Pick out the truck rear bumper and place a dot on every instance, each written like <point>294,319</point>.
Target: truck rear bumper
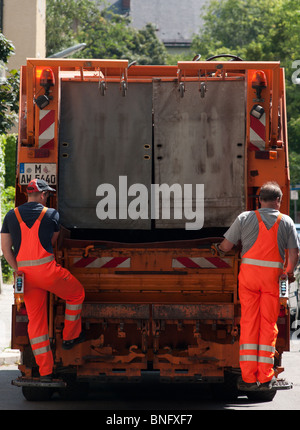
<point>35,382</point>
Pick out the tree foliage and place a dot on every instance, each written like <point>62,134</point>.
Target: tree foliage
<point>6,48</point>
<point>9,103</point>
<point>106,34</point>
<point>9,106</point>
<point>264,30</point>
<point>9,88</point>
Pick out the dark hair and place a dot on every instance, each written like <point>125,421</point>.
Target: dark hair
<point>270,191</point>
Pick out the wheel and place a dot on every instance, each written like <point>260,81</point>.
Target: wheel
<point>226,390</point>
<point>75,391</point>
<point>263,396</point>
<point>36,394</point>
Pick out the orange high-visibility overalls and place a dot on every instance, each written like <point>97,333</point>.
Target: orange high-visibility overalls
<point>43,274</point>
<point>259,275</point>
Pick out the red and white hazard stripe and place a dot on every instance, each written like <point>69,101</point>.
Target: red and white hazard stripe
<point>102,262</point>
<point>46,129</point>
<point>201,262</point>
<point>257,133</point>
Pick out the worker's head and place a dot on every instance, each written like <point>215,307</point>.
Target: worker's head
<point>38,191</point>
<point>270,195</point>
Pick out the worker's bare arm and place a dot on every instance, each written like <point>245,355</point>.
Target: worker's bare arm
<point>226,246</point>
<point>54,238</point>
<point>293,257</point>
<point>6,245</point>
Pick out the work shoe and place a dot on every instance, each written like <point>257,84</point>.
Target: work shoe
<point>50,381</point>
<point>246,386</point>
<point>275,384</point>
<point>46,378</point>
<point>69,344</point>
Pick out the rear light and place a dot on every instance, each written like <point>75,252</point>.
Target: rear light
<point>21,322</point>
<point>38,153</point>
<point>23,311</point>
<point>47,78</point>
<point>42,101</point>
<point>38,72</point>
<point>259,82</point>
<point>266,155</point>
<point>257,111</point>
<point>282,311</point>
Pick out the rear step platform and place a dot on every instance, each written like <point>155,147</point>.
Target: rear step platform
<point>35,382</point>
<point>282,384</point>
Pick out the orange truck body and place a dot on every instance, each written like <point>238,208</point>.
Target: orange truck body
<point>158,301</point>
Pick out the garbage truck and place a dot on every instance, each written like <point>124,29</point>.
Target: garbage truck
<point>151,165</point>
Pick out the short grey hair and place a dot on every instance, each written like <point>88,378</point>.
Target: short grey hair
<point>270,191</point>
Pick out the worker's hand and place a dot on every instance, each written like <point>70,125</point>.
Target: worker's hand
<point>291,277</point>
<point>215,250</point>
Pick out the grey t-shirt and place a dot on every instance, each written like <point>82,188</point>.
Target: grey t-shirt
<point>245,229</point>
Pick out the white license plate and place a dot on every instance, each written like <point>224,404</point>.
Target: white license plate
<point>30,171</point>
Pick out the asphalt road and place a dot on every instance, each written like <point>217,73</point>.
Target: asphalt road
<point>152,398</point>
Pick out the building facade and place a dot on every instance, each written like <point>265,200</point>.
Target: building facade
<point>24,24</point>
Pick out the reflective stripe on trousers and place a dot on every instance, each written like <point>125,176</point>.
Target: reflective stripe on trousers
<point>73,312</point>
<point>36,346</point>
<point>256,357</point>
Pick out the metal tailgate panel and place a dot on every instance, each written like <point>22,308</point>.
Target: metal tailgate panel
<point>102,138</point>
<point>202,141</point>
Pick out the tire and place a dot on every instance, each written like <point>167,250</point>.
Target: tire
<point>75,391</point>
<point>226,390</point>
<point>36,394</point>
